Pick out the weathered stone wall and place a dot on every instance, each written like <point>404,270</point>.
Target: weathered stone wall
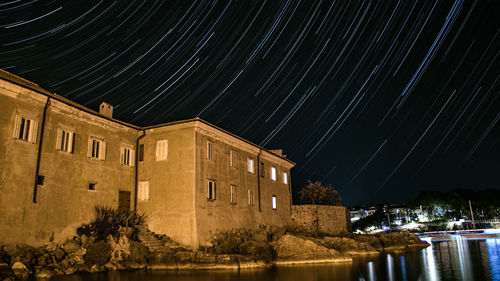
<point>332,220</point>
<point>64,201</point>
<point>220,214</point>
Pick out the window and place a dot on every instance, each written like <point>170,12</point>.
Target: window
<point>96,149</point>
<point>211,190</point>
<point>161,150</point>
<point>65,140</point>
<point>250,165</point>
<point>285,178</point>
<point>141,152</point>
<point>40,180</point>
<point>250,197</point>
<point>143,192</point>
<point>127,156</point>
<point>92,186</point>
<point>234,194</point>
<point>273,173</point>
<point>233,158</point>
<point>210,150</point>
<point>262,172</point>
<point>25,129</point>
<point>274,202</point>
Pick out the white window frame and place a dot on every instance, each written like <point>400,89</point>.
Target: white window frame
<point>210,149</point>
<point>65,140</point>
<point>143,191</point>
<point>273,173</point>
<point>234,194</point>
<point>250,165</point>
<point>274,202</point>
<point>285,178</point>
<point>96,149</point>
<point>25,133</point>
<point>161,150</point>
<point>211,190</point>
<point>127,156</point>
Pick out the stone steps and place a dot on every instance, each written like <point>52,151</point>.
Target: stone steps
<point>149,240</point>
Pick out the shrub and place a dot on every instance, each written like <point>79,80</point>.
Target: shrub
<point>107,221</point>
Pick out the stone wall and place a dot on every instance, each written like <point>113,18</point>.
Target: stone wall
<point>331,220</point>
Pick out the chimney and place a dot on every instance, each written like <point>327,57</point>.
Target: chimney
<point>106,109</point>
<point>278,152</point>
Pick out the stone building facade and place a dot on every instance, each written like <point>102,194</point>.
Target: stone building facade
<point>59,159</point>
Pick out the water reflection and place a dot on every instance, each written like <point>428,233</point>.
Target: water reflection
<point>493,248</point>
<point>445,259</point>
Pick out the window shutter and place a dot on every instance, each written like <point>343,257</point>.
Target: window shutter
<point>214,190</point>
<point>132,157</point>
<point>17,121</point>
<point>158,147</point>
<point>58,140</point>
<point>89,148</point>
<point>71,143</point>
<point>102,152</point>
<point>33,131</point>
<point>122,155</point>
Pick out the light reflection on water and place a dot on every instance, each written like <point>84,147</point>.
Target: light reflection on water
<point>444,260</point>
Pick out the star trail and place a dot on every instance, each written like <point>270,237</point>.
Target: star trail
<point>380,99</point>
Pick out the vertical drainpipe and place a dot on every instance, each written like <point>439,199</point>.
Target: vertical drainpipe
<point>39,155</point>
<point>258,177</point>
<point>136,175</point>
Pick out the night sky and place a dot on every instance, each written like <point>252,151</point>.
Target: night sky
<point>379,99</point>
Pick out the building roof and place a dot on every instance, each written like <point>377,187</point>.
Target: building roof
<point>12,78</point>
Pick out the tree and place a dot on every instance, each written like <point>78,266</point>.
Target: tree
<point>316,193</point>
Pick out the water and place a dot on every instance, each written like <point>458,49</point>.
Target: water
<point>446,259</point>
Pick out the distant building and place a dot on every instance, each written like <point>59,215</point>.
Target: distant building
<point>357,214</point>
<point>59,159</point>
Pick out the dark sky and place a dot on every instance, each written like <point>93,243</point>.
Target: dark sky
<point>379,99</point>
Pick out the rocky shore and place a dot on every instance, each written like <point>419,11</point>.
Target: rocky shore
<point>232,250</point>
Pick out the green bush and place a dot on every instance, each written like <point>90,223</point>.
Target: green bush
<point>107,221</point>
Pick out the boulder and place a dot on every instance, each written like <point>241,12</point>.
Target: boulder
<point>24,254</point>
<point>20,270</point>
<point>258,250</point>
<point>98,253</point>
<point>290,248</point>
<point>138,252</point>
<point>5,272</point>
<point>43,273</point>
<point>71,246</point>
<point>59,254</point>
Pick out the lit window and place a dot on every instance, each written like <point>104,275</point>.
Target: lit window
<point>161,150</point>
<point>234,194</point>
<point>211,190</point>
<point>250,197</point>
<point>127,156</point>
<point>96,149</point>
<point>273,173</point>
<point>65,140</point>
<point>285,178</point>
<point>250,165</point>
<point>210,150</point>
<point>143,192</point>
<point>274,202</point>
<point>25,129</point>
<point>233,158</point>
